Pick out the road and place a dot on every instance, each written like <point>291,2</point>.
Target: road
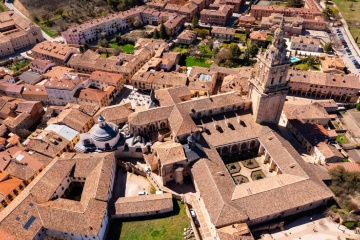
<point>12,7</point>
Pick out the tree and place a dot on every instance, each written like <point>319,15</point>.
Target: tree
<point>253,50</point>
<point>311,61</point>
<point>356,39</point>
<point>156,34</point>
<point>81,49</point>
<point>86,47</point>
<point>163,33</point>
<point>137,22</point>
<point>195,21</point>
<point>295,3</point>
<point>203,33</point>
<point>103,43</point>
<point>327,12</point>
<point>328,47</point>
<point>223,55</point>
<point>235,51</point>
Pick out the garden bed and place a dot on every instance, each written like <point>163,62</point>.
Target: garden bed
<point>257,175</point>
<point>233,167</point>
<point>240,179</point>
<point>250,163</point>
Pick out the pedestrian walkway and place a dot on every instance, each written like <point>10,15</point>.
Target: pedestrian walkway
<point>204,229</point>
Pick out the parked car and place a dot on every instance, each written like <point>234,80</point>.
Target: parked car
<point>192,212</point>
<point>143,193</point>
<point>196,222</point>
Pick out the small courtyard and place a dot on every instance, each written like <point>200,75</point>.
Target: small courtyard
<point>246,167</point>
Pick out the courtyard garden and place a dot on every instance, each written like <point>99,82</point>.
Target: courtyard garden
<point>19,64</point>
<point>166,226</point>
<point>181,48</point>
<point>196,61</point>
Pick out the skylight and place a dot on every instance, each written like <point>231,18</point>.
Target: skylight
<point>29,222</point>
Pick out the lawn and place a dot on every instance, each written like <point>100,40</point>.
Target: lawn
<point>341,139</point>
<point>2,7</point>
<point>126,48</point>
<point>17,65</point>
<point>351,16</point>
<point>168,226</point>
<point>204,49</point>
<point>201,62</point>
<point>181,49</point>
<point>49,32</point>
<point>305,67</point>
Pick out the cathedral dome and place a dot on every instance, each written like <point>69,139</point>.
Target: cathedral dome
<point>104,131</point>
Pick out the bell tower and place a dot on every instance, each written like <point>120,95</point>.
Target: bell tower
<point>268,85</point>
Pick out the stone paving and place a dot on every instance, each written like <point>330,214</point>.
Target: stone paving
<point>306,229</point>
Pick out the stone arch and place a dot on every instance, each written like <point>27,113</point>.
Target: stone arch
<point>152,127</point>
<point>252,144</point>
<point>243,146</point>
<point>225,150</point>
<point>234,148</point>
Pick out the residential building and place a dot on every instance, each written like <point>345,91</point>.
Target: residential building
<point>187,37</point>
<point>246,21</point>
<point>30,77</point>
<point>97,96</point>
<point>91,30</point>
<point>157,4</point>
<point>202,81</point>
<point>35,93</point>
<point>324,85</point>
<point>223,33</point>
<point>157,80</point>
<point>169,60</point>
<point>259,38</point>
<point>66,132</point>
<point>332,65</point>
<point>238,82</point>
<point>11,90</point>
<point>216,17</point>
<point>53,51</point>
<point>101,80</point>
<point>41,66</point>
<point>143,205</point>
<point>61,90</point>
<point>200,3</point>
<point>189,10</point>
<point>235,3</point>
<point>73,118</point>
<point>10,187</point>
<point>17,32</point>
<point>48,143</point>
<point>7,78</point>
<point>174,25</point>
<point>307,43</point>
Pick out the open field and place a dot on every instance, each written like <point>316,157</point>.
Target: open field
<point>350,15</point>
<point>201,62</point>
<point>167,226</point>
<point>57,16</point>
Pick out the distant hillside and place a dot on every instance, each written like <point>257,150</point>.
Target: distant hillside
<point>55,16</point>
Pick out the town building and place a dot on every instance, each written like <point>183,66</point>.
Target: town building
<point>35,93</point>
<point>202,81</point>
<point>259,38</point>
<point>41,66</point>
<point>189,10</point>
<point>99,97</point>
<point>53,51</point>
<point>235,3</point>
<point>332,65</point>
<point>10,187</point>
<point>49,206</point>
<point>227,34</point>
<point>216,17</point>
<point>246,21</point>
<point>117,114</point>
<point>157,80</point>
<point>138,206</point>
<point>17,32</point>
<point>66,132</point>
<point>307,43</point>
<point>187,37</point>
<point>30,77</point>
<point>324,85</point>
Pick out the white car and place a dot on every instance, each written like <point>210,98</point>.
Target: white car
<point>143,193</point>
<point>192,212</point>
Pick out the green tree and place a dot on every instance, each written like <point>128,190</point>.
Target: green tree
<point>295,3</point>
<point>156,34</point>
<point>86,47</point>
<point>203,33</point>
<point>163,33</point>
<point>253,50</point>
<point>195,21</point>
<point>235,51</point>
<point>327,12</point>
<point>356,39</point>
<point>328,47</point>
<point>311,61</point>
<point>81,49</point>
